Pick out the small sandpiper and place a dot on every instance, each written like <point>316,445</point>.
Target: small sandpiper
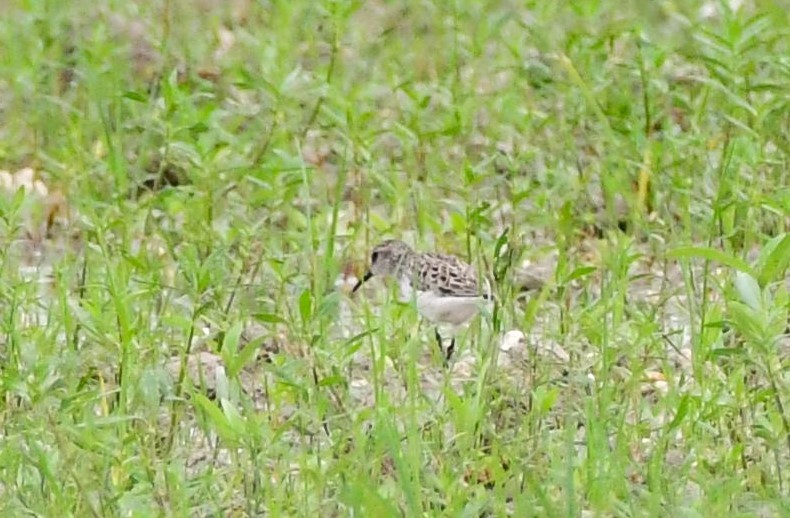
<point>446,288</point>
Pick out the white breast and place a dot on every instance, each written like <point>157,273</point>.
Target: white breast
<point>406,291</point>
<point>447,310</point>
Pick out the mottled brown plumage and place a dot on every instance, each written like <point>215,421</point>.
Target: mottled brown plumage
<point>447,290</point>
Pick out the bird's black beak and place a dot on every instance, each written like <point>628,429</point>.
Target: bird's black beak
<point>362,281</point>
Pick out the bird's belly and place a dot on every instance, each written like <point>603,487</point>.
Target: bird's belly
<point>448,310</point>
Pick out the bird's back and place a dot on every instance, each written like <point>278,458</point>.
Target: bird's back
<point>445,275</point>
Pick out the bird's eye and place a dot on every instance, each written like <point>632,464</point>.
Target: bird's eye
<point>374,257</point>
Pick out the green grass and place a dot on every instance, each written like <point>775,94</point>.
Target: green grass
<point>637,154</point>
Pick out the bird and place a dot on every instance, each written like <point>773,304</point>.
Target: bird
<point>444,287</point>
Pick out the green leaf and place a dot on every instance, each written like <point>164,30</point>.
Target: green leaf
<point>222,384</point>
<point>231,342</point>
<point>306,305</point>
<point>234,418</point>
<point>353,344</point>
<point>330,381</point>
<point>501,241</point>
<point>135,96</point>
<point>269,318</point>
<point>710,254</point>
<point>328,304</point>
<point>715,324</point>
<point>545,398</point>
<point>726,352</point>
<point>236,362</point>
<point>216,418</point>
<point>774,259</point>
<point>683,410</point>
<point>363,496</point>
<point>578,273</point>
<point>746,321</point>
<point>548,400</point>
<point>749,290</point>
<point>731,96</point>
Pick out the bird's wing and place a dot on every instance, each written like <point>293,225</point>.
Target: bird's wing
<point>447,275</point>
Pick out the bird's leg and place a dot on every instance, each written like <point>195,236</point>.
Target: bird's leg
<point>450,350</point>
<point>439,340</point>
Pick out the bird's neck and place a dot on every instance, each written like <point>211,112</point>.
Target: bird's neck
<point>405,266</point>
